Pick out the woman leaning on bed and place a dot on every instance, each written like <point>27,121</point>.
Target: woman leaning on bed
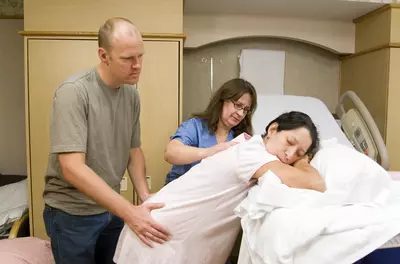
<point>227,115</point>
<point>199,205</point>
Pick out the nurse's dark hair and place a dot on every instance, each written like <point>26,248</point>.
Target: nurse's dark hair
<point>231,90</point>
<point>294,120</point>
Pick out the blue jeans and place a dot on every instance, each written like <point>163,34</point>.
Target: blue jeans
<point>82,239</point>
<point>381,256</point>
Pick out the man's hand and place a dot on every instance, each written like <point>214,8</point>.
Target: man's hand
<point>141,223</point>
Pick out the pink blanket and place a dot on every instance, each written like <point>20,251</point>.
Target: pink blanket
<point>27,250</point>
<point>395,175</point>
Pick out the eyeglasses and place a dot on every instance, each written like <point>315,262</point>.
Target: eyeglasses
<point>239,107</point>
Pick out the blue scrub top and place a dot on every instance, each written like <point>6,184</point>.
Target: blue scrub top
<point>195,133</point>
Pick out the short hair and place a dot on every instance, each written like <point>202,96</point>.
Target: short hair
<point>106,31</point>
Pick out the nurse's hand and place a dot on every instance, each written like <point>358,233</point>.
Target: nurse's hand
<point>221,147</point>
<point>143,225</point>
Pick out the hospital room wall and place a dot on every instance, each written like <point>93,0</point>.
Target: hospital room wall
<point>367,76</point>
<point>12,118</point>
<point>88,15</point>
<point>309,70</point>
<point>202,29</point>
<point>372,72</point>
<point>393,120</point>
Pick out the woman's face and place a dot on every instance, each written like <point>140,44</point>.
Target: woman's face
<point>288,145</point>
<point>233,112</point>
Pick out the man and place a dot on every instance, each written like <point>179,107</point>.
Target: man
<point>95,137</point>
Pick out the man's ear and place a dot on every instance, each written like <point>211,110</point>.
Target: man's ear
<point>102,53</point>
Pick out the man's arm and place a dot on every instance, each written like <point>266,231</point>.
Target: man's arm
<point>137,165</point>
<point>69,141</point>
<point>76,172</point>
<point>137,173</point>
<point>89,183</point>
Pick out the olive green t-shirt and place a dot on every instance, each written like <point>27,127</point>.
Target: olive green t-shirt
<point>103,122</point>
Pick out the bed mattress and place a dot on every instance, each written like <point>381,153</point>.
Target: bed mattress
<point>392,243</point>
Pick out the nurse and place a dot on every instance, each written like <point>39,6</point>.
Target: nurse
<point>227,115</point>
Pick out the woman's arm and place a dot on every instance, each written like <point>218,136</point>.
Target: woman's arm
<point>301,175</point>
<point>177,153</point>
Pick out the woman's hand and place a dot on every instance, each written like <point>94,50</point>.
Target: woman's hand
<point>307,158</point>
<point>177,153</point>
<point>220,147</point>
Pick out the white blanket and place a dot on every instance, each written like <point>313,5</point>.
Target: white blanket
<point>359,212</point>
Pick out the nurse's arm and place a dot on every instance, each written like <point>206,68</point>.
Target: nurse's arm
<point>301,175</point>
<point>177,153</point>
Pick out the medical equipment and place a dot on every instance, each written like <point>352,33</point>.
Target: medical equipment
<point>211,60</point>
<point>361,130</point>
<point>357,130</point>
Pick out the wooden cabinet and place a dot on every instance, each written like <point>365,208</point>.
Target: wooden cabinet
<point>51,59</point>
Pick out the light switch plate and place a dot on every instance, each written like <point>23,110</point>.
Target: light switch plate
<point>124,184</point>
<point>148,179</point>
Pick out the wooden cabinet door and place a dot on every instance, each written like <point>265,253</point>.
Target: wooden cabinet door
<point>49,62</point>
<point>159,91</point>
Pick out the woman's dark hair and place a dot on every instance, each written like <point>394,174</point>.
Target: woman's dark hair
<point>231,90</point>
<point>294,120</point>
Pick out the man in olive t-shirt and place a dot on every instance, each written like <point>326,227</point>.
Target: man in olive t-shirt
<point>105,136</point>
<point>95,137</point>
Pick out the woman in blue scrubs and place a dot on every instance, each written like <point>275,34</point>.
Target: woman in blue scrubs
<point>227,115</point>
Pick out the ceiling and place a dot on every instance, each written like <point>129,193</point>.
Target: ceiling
<point>317,9</point>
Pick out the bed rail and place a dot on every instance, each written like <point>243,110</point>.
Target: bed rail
<point>369,122</point>
<point>20,228</point>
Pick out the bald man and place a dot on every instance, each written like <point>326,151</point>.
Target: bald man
<point>95,137</point>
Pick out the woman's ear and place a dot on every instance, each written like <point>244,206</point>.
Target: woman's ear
<point>273,128</point>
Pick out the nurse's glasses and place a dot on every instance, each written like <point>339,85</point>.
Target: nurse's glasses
<point>239,107</point>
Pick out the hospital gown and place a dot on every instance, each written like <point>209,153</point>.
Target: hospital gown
<point>199,209</point>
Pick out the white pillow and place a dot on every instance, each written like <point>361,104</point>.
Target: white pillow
<point>271,106</point>
<point>13,203</point>
<point>357,177</point>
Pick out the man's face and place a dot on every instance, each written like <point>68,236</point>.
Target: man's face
<point>125,59</point>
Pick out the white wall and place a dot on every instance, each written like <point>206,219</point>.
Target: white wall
<point>336,36</point>
<point>309,70</point>
<point>12,111</point>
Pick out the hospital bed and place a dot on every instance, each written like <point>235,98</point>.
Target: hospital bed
<point>354,127</point>
<point>14,219</point>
